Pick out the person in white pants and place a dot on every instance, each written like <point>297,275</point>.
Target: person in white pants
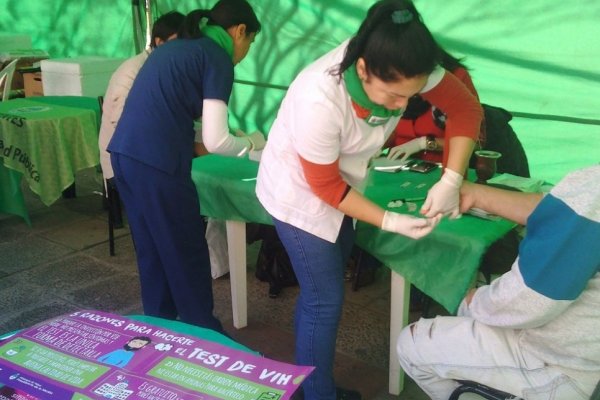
<point>535,331</point>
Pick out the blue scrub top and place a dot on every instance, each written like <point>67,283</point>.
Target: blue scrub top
<point>156,126</point>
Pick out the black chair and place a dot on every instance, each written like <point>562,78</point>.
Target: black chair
<point>112,203</point>
<point>484,391</point>
<point>493,394</point>
<point>502,138</point>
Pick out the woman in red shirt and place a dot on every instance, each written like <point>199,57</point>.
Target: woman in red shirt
<point>421,132</point>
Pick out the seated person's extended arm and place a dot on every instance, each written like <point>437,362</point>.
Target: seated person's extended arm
<point>515,206</point>
<point>555,263</point>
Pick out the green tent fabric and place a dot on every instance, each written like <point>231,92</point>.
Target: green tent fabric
<point>538,59</point>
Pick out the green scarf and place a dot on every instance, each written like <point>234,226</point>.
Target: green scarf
<point>379,115</point>
<point>220,36</point>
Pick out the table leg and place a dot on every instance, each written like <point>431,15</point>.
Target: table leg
<point>236,246</point>
<point>399,302</point>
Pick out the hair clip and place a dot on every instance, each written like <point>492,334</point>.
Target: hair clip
<point>202,23</point>
<point>402,16</point>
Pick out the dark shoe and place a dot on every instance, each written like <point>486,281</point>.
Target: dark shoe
<point>345,394</point>
<point>274,291</point>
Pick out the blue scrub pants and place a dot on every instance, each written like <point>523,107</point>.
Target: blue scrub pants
<point>163,212</point>
<point>319,266</point>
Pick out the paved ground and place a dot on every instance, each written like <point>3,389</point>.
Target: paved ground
<point>61,263</point>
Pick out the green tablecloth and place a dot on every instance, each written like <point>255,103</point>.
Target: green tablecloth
<point>442,264</point>
<point>225,186</point>
<point>49,139</point>
<point>86,103</point>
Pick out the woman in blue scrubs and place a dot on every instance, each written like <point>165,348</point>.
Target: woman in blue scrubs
<point>152,149</point>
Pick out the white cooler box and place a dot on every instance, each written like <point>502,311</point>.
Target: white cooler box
<point>81,76</point>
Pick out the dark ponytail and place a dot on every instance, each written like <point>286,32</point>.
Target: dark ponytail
<point>449,62</point>
<point>190,28</point>
<point>226,13</point>
<point>393,40</point>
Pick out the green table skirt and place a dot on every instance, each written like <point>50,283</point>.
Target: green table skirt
<point>49,139</point>
<point>443,264</point>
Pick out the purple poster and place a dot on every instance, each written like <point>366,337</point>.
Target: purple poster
<point>95,355</point>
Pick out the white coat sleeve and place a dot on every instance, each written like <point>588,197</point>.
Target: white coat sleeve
<point>215,130</point>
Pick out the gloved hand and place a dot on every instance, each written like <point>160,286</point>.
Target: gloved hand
<point>407,149</point>
<point>407,225</point>
<point>443,197</point>
<point>255,155</point>
<point>257,141</point>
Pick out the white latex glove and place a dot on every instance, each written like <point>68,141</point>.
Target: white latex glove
<point>255,155</point>
<point>443,197</point>
<point>407,225</point>
<point>407,149</point>
<point>257,141</point>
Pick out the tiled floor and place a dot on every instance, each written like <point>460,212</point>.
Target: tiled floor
<point>61,263</point>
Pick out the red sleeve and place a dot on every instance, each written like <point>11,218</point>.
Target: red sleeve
<point>465,78</point>
<point>325,181</point>
<point>462,109</point>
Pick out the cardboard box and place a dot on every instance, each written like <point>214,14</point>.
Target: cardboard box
<point>27,58</point>
<point>81,76</point>
<point>32,82</point>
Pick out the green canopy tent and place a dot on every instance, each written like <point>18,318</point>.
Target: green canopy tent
<point>538,59</point>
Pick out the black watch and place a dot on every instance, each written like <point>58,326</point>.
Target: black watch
<point>430,143</point>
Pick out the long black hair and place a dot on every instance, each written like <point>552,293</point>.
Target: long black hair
<point>417,106</point>
<point>393,40</point>
<point>226,13</point>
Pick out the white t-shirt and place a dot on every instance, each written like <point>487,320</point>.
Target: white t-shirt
<point>316,120</point>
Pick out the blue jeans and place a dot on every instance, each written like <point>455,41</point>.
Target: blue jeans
<point>319,266</point>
